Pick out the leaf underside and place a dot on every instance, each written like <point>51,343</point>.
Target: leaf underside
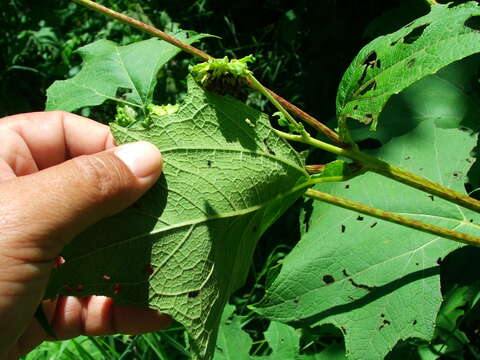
<point>187,244</point>
<point>376,281</point>
<point>392,62</point>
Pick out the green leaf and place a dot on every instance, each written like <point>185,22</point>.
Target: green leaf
<point>392,62</point>
<point>233,343</point>
<point>376,281</point>
<point>187,244</point>
<point>109,69</point>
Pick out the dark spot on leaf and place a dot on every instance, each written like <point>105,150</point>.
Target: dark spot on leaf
<point>355,107</point>
<point>372,85</point>
<point>414,322</point>
<point>407,157</point>
<point>439,261</point>
<point>342,228</point>
<point>360,218</point>
<point>344,272</point>
<point>117,288</point>
<point>209,163</point>
<point>473,23</point>
<point>413,35</point>
<point>79,288</point>
<point>417,264</point>
<point>149,269</point>
<point>394,43</point>
<point>106,277</point>
<point>187,35</point>
<point>270,151</point>
<point>382,315</point>
<point>431,197</point>
<point>373,225</point>
<point>193,294</point>
<point>296,301</point>
<point>328,279</point>
<point>411,62</point>
<point>455,174</point>
<point>347,186</point>
<point>369,117</point>
<point>471,220</point>
<point>369,144</point>
<point>420,169</point>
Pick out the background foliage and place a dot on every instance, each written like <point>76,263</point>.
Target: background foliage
<point>302,49</point>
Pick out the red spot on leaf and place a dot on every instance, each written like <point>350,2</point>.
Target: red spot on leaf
<point>59,261</point>
<point>149,269</point>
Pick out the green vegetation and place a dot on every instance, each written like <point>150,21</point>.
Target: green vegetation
<point>355,285</point>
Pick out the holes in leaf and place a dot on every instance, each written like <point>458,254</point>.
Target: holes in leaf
<point>411,62</point>
<point>373,225</point>
<point>355,107</point>
<point>193,294</point>
<point>439,261</point>
<point>473,23</point>
<point>328,279</point>
<point>122,93</point>
<point>372,85</point>
<point>431,197</point>
<point>342,228</point>
<point>407,157</point>
<point>347,186</point>
<point>360,218</point>
<point>372,60</point>
<point>296,300</point>
<point>209,163</point>
<point>117,289</point>
<point>471,220</point>
<point>384,323</point>
<point>413,35</point>
<point>414,322</point>
<point>382,315</point>
<point>106,277</point>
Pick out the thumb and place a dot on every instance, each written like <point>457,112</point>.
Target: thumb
<point>44,211</point>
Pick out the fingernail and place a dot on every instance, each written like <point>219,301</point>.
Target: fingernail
<point>142,158</point>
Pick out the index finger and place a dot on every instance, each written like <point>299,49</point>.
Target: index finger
<point>50,138</point>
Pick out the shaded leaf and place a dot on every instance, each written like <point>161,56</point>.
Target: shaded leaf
<point>187,244</point>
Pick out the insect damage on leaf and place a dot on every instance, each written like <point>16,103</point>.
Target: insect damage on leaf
<point>223,76</point>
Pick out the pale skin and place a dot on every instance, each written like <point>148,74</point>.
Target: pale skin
<point>60,173</point>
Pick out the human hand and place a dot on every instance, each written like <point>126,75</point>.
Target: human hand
<point>60,173</point>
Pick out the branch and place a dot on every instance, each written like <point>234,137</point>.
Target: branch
<point>394,218</point>
<point>316,124</point>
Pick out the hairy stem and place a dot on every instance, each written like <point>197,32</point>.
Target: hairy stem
<point>391,217</point>
<point>316,124</point>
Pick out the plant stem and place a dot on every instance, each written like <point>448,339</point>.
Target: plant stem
<point>254,83</point>
<point>381,167</point>
<point>316,124</point>
<point>369,163</point>
<point>431,2</point>
<point>391,217</point>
